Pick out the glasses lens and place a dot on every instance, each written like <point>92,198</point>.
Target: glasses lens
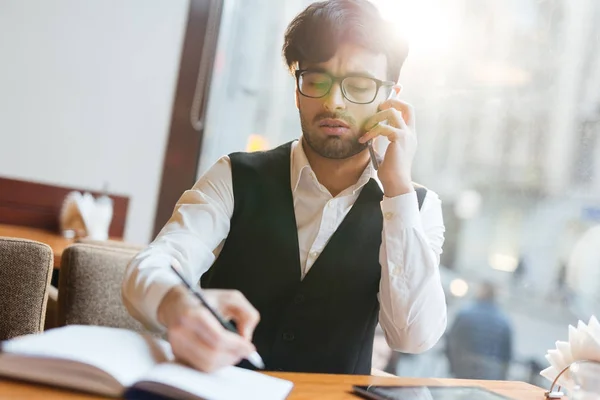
<point>314,84</point>
<point>360,90</point>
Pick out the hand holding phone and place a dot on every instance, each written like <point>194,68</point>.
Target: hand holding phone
<point>372,153</point>
<point>396,121</point>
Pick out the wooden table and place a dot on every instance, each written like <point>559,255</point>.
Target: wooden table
<point>306,387</point>
<point>57,242</point>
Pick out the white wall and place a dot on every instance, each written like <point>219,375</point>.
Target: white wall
<point>86,89</point>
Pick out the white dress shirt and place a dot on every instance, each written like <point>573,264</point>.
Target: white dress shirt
<point>412,303</point>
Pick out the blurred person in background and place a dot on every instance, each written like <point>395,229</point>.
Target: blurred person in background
<point>479,342</point>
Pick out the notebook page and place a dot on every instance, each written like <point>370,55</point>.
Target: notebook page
<point>225,384</point>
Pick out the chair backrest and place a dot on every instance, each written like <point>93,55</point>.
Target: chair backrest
<point>89,288</point>
<point>25,273</point>
<point>112,243</point>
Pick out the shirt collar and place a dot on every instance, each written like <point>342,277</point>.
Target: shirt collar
<point>300,165</point>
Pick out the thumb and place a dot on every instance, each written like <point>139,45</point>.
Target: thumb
<point>245,316</point>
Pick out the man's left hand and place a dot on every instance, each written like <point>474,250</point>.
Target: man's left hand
<point>395,170</point>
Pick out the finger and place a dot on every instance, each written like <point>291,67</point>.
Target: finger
<point>242,312</point>
<point>395,118</point>
<point>407,110</point>
<point>198,354</point>
<point>391,115</point>
<point>379,117</point>
<point>209,331</point>
<point>381,130</point>
<point>235,343</point>
<point>204,324</point>
<point>207,327</point>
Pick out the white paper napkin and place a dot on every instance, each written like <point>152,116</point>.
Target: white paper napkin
<point>94,214</point>
<point>583,344</point>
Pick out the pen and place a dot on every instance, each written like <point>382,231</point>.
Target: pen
<point>254,358</point>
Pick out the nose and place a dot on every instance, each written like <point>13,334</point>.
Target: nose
<point>334,99</point>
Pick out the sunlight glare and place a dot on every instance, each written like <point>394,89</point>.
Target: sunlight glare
<point>431,27</point>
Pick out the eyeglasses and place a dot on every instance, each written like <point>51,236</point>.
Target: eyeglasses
<point>355,88</point>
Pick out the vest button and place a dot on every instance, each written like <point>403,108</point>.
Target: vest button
<point>299,299</point>
<point>288,336</point>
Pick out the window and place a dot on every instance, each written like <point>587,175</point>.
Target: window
<point>507,96</point>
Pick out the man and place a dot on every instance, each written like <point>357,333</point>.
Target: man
<point>479,343</point>
<point>308,237</point>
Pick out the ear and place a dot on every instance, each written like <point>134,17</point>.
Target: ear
<point>398,89</point>
<point>297,93</point>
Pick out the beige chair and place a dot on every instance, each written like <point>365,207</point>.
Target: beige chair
<point>25,273</point>
<point>112,243</point>
<point>89,289</point>
<point>52,309</point>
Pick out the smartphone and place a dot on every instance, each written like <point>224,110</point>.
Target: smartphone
<point>374,159</point>
<point>375,392</point>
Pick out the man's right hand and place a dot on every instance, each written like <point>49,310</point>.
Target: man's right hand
<point>197,338</point>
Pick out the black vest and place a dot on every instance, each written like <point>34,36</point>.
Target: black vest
<point>325,322</point>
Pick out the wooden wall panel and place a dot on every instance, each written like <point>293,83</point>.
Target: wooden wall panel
<point>38,205</point>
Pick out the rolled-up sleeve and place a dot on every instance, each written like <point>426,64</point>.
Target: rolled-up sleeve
<point>191,240</point>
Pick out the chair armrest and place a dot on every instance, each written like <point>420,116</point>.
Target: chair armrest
<point>51,308</point>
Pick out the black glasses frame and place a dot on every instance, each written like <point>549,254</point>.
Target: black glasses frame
<point>340,79</point>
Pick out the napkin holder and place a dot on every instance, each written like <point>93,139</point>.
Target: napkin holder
<point>82,215</point>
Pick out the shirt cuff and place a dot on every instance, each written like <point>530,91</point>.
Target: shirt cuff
<point>157,290</point>
<point>150,287</point>
<point>402,210</point>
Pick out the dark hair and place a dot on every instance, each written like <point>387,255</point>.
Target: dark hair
<point>318,31</point>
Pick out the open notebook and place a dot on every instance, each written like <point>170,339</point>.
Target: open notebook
<point>109,361</point>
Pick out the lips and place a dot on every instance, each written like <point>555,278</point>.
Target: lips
<point>333,123</point>
<point>334,127</point>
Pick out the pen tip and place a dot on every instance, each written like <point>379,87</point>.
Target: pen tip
<point>256,360</point>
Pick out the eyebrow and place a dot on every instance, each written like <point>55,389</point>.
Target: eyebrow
<point>351,73</point>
